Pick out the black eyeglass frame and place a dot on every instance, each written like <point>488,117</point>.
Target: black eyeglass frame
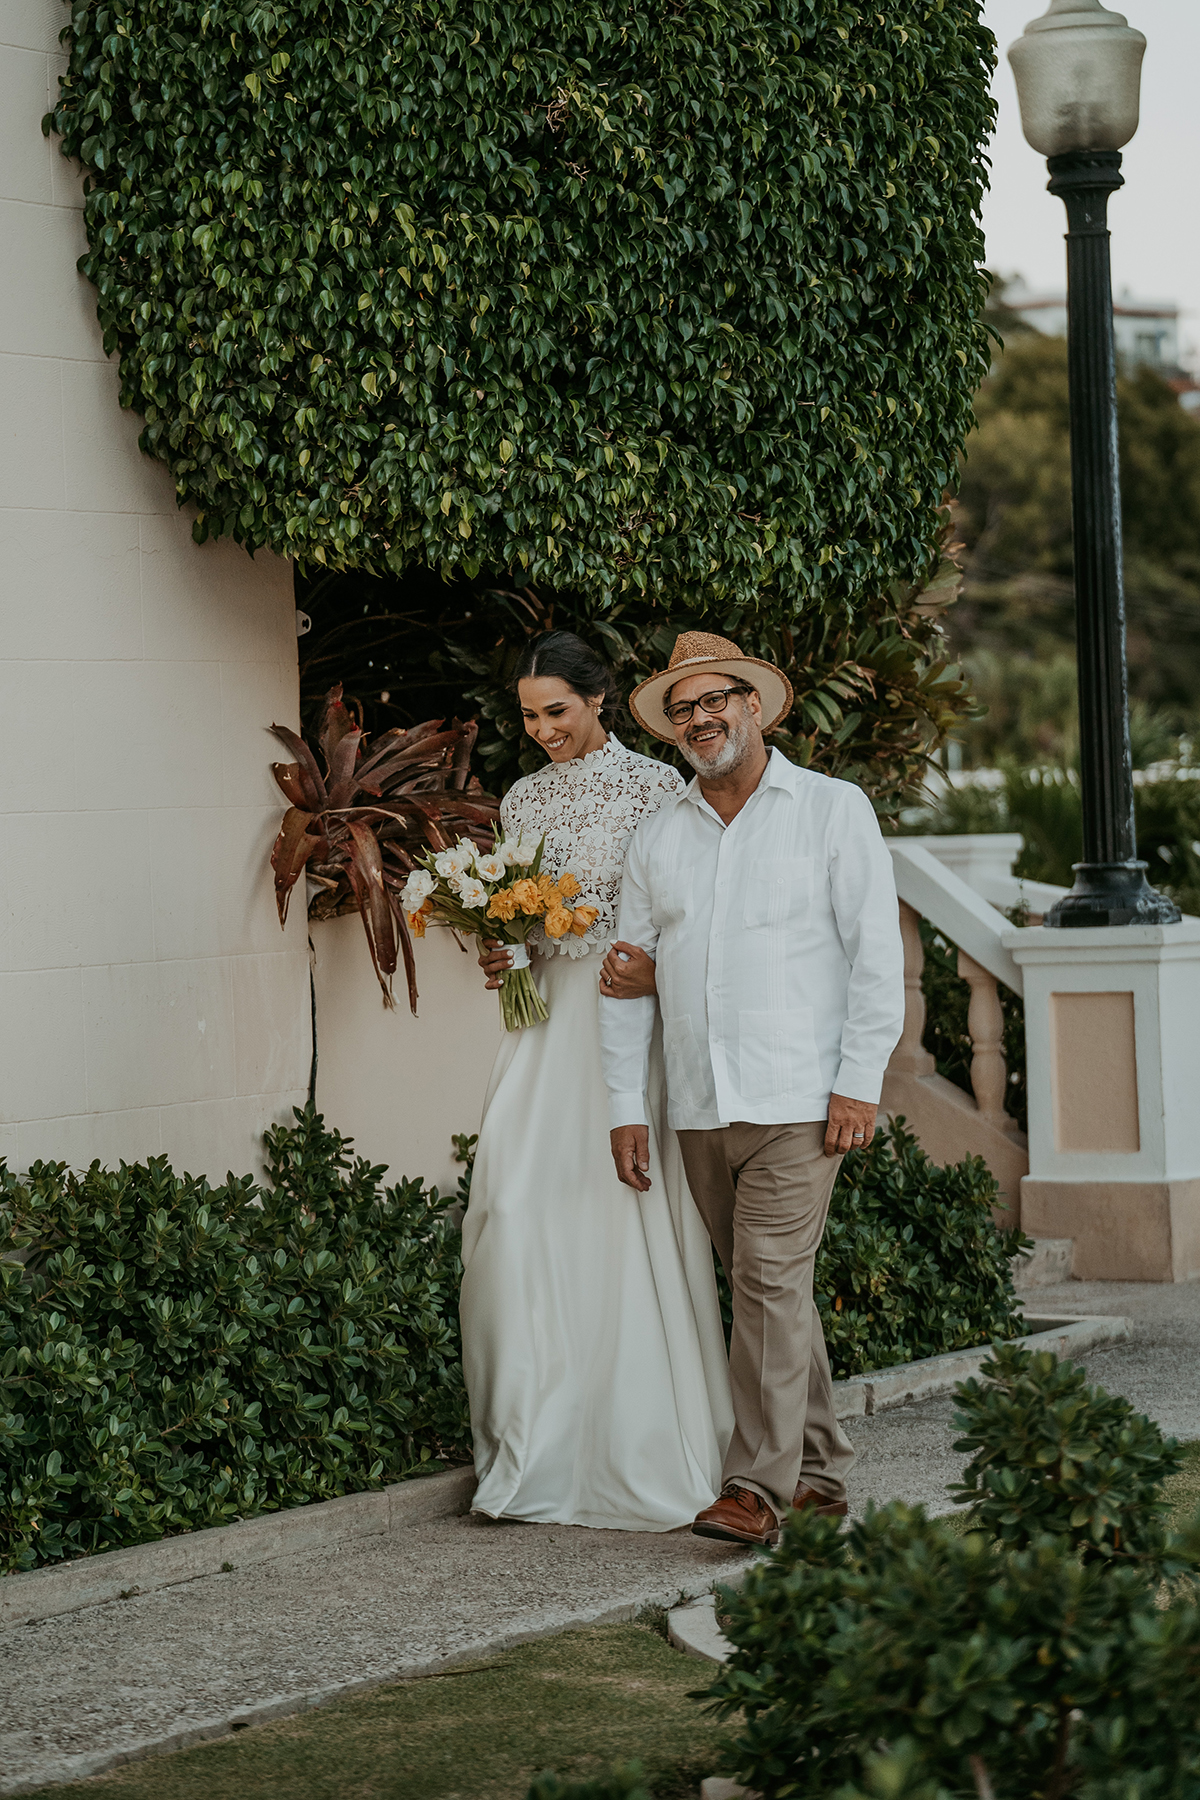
<point>703,700</point>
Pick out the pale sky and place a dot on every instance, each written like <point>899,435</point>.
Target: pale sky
<point>1155,218</point>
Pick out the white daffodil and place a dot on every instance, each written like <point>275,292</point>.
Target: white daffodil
<point>417,890</point>
<point>455,861</point>
<point>472,893</point>
<point>491,868</point>
<point>520,852</point>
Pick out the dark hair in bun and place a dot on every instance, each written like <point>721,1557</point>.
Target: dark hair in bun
<point>562,654</point>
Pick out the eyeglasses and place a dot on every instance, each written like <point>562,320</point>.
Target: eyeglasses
<point>680,711</point>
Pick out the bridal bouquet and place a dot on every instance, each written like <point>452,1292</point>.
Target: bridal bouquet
<point>501,894</point>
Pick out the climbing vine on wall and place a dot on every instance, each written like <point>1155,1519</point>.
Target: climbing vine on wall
<point>677,297</point>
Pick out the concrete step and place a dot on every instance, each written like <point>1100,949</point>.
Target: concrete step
<point>1046,1265</point>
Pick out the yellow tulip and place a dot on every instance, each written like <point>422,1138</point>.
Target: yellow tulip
<point>502,905</point>
<point>526,896</point>
<point>583,919</point>
<point>568,887</point>
<point>558,921</point>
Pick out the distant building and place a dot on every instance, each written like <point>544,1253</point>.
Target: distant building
<point>1146,332</point>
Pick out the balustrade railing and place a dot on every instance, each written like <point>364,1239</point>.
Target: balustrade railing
<point>958,884</point>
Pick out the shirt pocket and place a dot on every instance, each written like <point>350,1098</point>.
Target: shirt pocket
<point>778,888</point>
<point>777,1054</point>
<point>681,1055</point>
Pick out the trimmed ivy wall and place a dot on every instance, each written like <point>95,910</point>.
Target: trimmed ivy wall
<point>679,296</point>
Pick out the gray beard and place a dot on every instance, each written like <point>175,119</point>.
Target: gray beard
<point>736,748</point>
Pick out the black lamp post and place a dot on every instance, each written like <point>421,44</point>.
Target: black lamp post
<point>1078,70</point>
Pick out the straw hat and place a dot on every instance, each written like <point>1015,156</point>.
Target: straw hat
<point>696,652</point>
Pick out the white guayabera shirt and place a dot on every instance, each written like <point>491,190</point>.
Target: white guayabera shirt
<point>780,969</point>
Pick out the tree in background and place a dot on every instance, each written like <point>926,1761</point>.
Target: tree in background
<point>1014,625</point>
<point>635,318</point>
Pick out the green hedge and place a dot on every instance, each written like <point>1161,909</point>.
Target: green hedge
<point>912,1263</point>
<point>174,1355</point>
<point>682,297</point>
<point>1037,1654</point>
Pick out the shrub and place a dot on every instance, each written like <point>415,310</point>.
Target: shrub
<point>174,1355</point>
<point>683,299</point>
<point>1055,1456</point>
<point>906,1659</point>
<point>912,1263</point>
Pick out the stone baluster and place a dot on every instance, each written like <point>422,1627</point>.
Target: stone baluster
<point>985,1023</point>
<point>910,1054</point>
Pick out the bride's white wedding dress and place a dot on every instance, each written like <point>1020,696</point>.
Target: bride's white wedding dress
<point>592,1342</point>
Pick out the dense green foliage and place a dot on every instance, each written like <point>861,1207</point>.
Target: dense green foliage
<point>1053,1455</point>
<point>874,694</point>
<point>912,1263</point>
<point>682,298</point>
<point>1015,622</point>
<point>1043,803</point>
<point>174,1355</point>
<point>905,1659</point>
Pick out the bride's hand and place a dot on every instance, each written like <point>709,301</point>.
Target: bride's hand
<point>627,974</point>
<point>494,959</point>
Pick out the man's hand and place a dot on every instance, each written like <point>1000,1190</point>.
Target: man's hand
<point>851,1125</point>
<point>631,1153</point>
<point>494,959</point>
<point>627,973</point>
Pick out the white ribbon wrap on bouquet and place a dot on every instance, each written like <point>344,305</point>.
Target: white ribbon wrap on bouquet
<point>520,956</point>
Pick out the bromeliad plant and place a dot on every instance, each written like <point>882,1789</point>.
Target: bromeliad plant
<point>357,829</point>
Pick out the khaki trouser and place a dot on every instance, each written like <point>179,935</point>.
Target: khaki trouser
<point>763,1192</point>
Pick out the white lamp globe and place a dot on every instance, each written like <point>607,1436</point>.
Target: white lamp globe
<point>1078,72</point>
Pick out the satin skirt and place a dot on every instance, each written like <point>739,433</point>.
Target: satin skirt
<point>592,1343</point>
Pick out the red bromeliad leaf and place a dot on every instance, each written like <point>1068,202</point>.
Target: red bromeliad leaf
<point>342,780</point>
<point>293,847</point>
<point>289,778</point>
<point>308,765</point>
<point>410,966</point>
<point>364,871</point>
<point>335,724</point>
<point>383,767</point>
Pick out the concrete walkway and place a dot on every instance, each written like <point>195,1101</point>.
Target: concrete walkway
<point>94,1687</point>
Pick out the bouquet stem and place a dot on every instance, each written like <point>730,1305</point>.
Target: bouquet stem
<point>520,1002</point>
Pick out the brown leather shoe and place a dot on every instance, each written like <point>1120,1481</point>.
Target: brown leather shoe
<point>820,1503</point>
<point>738,1516</point>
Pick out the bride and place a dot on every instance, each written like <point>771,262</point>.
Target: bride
<point>592,1342</point>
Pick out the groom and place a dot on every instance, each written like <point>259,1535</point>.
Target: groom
<point>765,894</point>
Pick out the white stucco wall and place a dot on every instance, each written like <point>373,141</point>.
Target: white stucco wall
<point>148,1000</point>
<point>402,1087</point>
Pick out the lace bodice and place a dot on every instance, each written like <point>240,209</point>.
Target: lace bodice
<point>588,809</point>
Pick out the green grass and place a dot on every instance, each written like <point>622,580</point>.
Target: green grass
<point>576,1703</point>
<point>1183,1489</point>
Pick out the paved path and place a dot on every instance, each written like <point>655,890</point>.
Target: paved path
<point>188,1661</point>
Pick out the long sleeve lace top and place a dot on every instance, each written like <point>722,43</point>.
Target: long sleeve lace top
<point>588,809</point>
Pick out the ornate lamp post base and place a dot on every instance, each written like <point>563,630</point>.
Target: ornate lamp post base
<point>1112,894</point>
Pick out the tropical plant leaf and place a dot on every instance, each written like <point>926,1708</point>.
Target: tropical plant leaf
<point>359,825</point>
<point>292,850</point>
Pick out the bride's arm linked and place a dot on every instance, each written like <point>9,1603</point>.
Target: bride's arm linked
<point>626,1027</point>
